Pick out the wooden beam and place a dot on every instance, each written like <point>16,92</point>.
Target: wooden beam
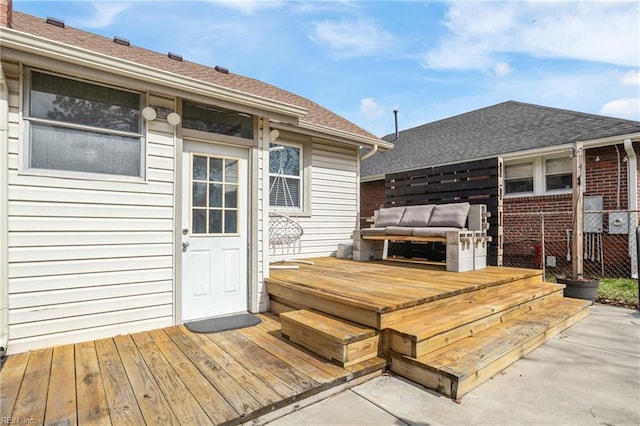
<point>578,211</point>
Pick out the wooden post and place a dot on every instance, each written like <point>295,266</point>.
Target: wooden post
<point>578,211</point>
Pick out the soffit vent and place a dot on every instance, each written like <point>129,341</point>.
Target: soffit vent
<point>55,22</point>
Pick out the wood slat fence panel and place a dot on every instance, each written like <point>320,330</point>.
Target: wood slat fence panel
<point>478,182</point>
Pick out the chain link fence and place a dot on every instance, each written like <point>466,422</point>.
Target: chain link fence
<point>542,240</point>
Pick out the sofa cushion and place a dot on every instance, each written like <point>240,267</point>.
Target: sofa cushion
<point>417,215</point>
<point>454,215</point>
<point>372,231</point>
<point>398,230</point>
<point>389,216</point>
<point>440,231</point>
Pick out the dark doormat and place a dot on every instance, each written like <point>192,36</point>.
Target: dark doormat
<point>215,325</point>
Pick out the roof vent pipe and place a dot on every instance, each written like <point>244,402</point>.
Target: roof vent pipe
<point>395,119</point>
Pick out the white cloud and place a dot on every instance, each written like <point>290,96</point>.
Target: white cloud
<point>588,31</point>
<point>623,108</point>
<point>631,78</point>
<point>360,37</point>
<point>371,109</point>
<point>502,69</point>
<point>106,13</point>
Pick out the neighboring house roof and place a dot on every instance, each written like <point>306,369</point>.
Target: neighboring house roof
<point>496,130</point>
<point>316,114</point>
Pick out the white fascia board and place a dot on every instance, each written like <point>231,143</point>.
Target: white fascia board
<point>558,149</point>
<point>320,132</point>
<point>66,53</point>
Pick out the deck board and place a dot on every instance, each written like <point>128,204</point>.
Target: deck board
<point>169,376</point>
<point>90,395</point>
<point>384,286</point>
<point>32,397</point>
<point>61,398</point>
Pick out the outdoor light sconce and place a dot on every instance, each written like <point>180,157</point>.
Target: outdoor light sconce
<point>151,113</point>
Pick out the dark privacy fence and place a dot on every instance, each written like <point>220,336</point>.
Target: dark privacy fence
<point>478,182</point>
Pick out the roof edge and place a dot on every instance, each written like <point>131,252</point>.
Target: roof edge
<point>44,47</point>
<point>321,131</point>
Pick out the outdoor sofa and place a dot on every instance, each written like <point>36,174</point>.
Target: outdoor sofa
<point>461,226</point>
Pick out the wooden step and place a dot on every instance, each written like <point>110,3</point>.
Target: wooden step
<point>340,341</point>
<point>457,368</point>
<point>447,321</point>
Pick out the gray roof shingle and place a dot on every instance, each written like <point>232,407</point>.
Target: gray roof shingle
<point>500,129</point>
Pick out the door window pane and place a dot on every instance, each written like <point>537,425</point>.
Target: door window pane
<point>231,221</point>
<point>214,199</point>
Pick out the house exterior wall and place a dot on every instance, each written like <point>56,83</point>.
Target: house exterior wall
<point>523,233</point>
<point>88,258</point>
<point>334,209</point>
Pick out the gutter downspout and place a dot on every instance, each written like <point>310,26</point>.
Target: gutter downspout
<point>369,153</point>
<point>4,213</point>
<point>632,206</point>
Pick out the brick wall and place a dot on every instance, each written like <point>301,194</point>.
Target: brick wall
<point>523,233</point>
<point>371,199</point>
<point>6,7</point>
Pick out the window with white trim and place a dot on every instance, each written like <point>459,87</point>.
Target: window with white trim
<point>77,126</point>
<point>285,175</point>
<point>518,178</point>
<point>558,173</point>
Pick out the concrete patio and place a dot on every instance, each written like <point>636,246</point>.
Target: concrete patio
<point>587,375</point>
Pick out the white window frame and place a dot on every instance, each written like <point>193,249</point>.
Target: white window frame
<point>533,178</point>
<point>25,164</point>
<point>544,176</point>
<point>302,192</point>
<point>539,176</point>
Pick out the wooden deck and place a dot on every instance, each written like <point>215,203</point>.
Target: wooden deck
<point>169,376</point>
<point>375,293</point>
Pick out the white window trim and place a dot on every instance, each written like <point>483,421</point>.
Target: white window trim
<point>305,175</point>
<point>539,177</point>
<point>25,146</point>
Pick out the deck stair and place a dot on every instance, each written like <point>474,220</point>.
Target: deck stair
<point>455,369</point>
<point>449,320</point>
<point>340,341</point>
<point>447,331</point>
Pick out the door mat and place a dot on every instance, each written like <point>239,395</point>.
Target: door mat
<point>215,325</point>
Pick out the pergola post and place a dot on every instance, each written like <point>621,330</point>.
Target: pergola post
<point>577,242</point>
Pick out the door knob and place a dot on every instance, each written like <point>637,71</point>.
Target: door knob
<point>185,244</point>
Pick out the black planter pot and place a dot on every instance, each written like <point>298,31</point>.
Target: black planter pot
<point>586,289</point>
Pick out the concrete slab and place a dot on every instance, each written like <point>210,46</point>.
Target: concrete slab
<point>346,408</point>
<point>588,375</point>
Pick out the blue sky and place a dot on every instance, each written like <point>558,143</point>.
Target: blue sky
<point>363,59</point>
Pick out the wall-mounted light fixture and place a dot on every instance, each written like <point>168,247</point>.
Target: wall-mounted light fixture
<point>150,113</point>
<point>173,119</point>
<point>274,134</point>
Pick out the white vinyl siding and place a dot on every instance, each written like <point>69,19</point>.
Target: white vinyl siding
<point>89,258</point>
<point>334,185</point>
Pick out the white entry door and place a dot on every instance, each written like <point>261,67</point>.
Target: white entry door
<point>214,230</point>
